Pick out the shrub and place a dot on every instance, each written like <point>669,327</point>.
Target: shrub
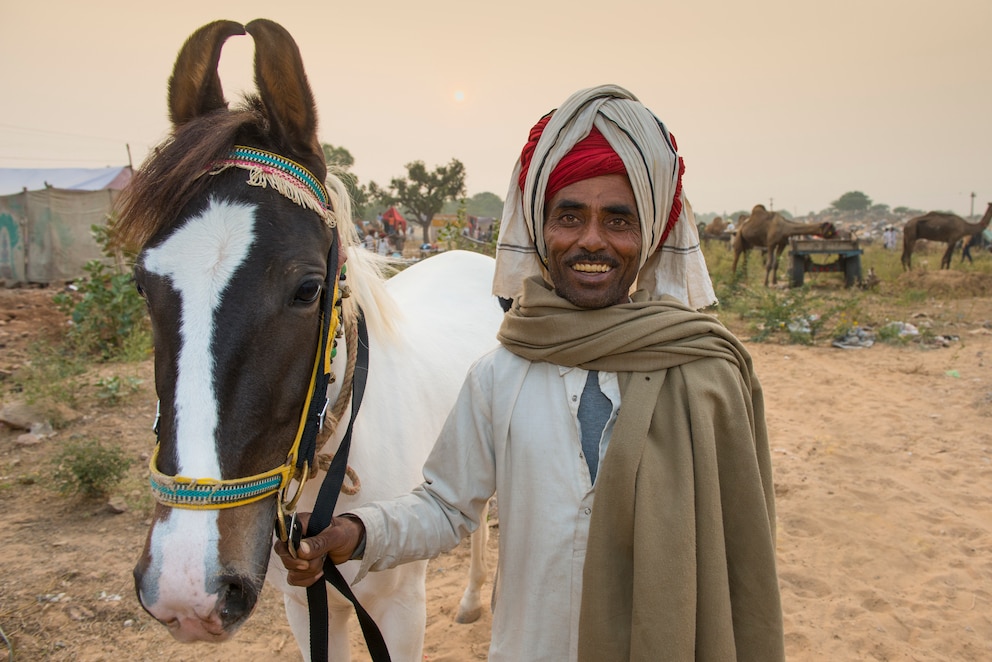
<point>109,319</point>
<point>89,468</point>
<point>49,376</point>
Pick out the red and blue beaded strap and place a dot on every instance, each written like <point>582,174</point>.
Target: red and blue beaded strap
<point>252,157</point>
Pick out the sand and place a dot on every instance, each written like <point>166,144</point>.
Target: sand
<point>883,475</point>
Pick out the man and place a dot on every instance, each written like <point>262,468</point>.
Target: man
<point>645,532</point>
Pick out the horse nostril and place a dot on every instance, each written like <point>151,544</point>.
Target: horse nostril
<point>237,601</point>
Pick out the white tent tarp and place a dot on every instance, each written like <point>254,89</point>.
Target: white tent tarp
<point>46,215</point>
<point>17,180</point>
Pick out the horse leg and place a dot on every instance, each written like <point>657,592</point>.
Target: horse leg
<point>470,608</point>
<point>396,600</point>
<point>298,615</point>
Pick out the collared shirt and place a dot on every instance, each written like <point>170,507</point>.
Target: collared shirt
<point>513,431</point>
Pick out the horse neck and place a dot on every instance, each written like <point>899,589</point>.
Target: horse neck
<point>367,281</point>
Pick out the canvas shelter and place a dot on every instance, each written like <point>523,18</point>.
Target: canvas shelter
<point>45,220</point>
<point>394,218</point>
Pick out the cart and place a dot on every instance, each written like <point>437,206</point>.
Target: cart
<point>848,260</point>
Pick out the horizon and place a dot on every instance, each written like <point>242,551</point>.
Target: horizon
<point>774,103</point>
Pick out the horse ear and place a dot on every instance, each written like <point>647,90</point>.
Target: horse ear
<point>284,90</point>
<point>194,87</point>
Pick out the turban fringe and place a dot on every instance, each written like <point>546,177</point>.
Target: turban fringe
<point>584,138</point>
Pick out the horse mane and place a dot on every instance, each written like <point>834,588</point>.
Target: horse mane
<point>367,272</point>
<point>172,175</point>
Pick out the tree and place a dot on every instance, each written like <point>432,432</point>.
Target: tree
<point>852,201</point>
<point>422,194</point>
<point>480,204</point>
<point>339,161</point>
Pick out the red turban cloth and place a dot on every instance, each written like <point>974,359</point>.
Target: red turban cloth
<point>591,157</point>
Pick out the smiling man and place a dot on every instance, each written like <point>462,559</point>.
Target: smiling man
<point>641,532</point>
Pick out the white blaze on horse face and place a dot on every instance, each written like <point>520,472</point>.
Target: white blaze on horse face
<point>199,259</point>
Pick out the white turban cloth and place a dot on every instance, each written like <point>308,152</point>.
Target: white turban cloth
<point>649,155</point>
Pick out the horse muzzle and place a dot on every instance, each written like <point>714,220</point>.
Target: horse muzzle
<point>200,584</point>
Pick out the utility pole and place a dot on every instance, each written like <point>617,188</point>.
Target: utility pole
<point>771,204</point>
<point>972,213</point>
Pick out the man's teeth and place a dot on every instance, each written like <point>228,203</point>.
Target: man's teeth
<point>592,268</point>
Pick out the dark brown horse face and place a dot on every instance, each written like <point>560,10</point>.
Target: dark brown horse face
<point>233,275</point>
<point>234,301</point>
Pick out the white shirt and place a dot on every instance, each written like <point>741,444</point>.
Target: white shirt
<point>513,431</point>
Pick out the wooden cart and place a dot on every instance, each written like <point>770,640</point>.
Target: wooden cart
<point>848,260</point>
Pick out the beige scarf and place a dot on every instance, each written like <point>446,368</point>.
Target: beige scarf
<point>681,557</point>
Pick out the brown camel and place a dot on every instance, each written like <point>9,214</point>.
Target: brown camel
<point>771,230</point>
<point>716,227</point>
<point>939,226</point>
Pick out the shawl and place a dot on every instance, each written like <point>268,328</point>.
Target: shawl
<point>671,261</point>
<point>680,563</point>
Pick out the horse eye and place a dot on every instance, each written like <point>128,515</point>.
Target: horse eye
<point>308,292</point>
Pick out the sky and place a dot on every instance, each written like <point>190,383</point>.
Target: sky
<point>786,103</point>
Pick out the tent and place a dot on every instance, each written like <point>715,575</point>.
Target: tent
<point>395,219</point>
<point>45,220</point>
<point>18,180</point>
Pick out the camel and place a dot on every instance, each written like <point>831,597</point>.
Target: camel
<point>771,230</point>
<point>939,226</point>
<point>716,227</point>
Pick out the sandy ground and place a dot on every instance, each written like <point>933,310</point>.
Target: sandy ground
<point>882,468</point>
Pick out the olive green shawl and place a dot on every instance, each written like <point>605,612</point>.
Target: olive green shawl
<point>681,557</point>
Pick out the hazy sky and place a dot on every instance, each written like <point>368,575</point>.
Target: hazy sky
<point>784,102</point>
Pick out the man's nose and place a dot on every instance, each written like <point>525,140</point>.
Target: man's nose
<point>592,238</point>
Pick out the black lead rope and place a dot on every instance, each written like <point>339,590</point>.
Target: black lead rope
<point>320,519</point>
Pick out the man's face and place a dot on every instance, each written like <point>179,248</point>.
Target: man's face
<point>593,237</point>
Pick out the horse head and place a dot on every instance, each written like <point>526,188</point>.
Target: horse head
<point>234,229</point>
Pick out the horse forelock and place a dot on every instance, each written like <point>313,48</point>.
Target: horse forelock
<point>172,175</point>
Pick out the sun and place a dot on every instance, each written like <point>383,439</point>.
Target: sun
<point>459,96</point>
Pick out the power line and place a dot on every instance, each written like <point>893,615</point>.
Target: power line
<point>57,133</point>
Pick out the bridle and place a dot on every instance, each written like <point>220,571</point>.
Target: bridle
<point>296,183</point>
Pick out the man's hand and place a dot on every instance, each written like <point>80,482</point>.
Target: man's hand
<point>338,541</point>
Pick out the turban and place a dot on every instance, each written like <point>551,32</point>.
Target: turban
<point>604,130</point>
<point>591,157</point>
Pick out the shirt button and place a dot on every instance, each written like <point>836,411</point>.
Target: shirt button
<point>587,511</point>
<point>574,398</point>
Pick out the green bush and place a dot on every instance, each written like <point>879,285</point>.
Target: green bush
<point>89,468</point>
<point>49,376</point>
<point>109,318</point>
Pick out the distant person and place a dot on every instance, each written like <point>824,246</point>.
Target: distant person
<point>637,532</point>
<point>890,238</point>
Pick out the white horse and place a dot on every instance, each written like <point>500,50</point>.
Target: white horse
<point>235,233</point>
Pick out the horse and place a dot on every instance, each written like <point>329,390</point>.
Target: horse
<point>247,256</point>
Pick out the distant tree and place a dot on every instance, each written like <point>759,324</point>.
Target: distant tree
<point>879,208</point>
<point>422,193</point>
<point>481,204</point>
<point>852,201</point>
<point>339,161</point>
<point>901,210</point>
